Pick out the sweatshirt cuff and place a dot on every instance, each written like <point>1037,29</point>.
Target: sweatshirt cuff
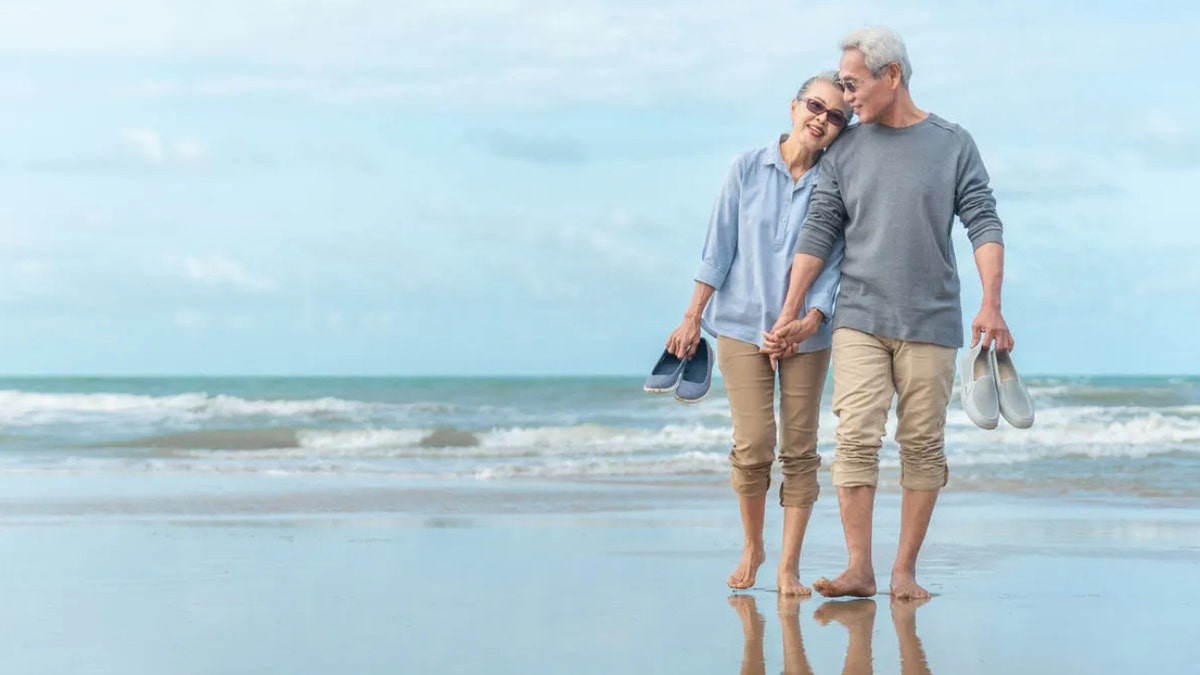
<point>816,249</point>
<point>990,236</point>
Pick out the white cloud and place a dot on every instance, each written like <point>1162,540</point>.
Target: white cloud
<point>1166,140</point>
<point>564,259</point>
<point>362,32</point>
<point>148,144</point>
<point>232,85</point>
<point>29,282</point>
<point>16,90</point>
<point>189,151</point>
<point>518,51</point>
<point>1049,173</point>
<point>539,52</point>
<point>190,320</point>
<point>153,148</point>
<point>1178,276</point>
<point>19,237</point>
<point>219,270</point>
<point>1160,126</point>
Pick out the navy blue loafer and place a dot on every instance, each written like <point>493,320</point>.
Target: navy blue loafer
<point>665,376</point>
<point>697,375</point>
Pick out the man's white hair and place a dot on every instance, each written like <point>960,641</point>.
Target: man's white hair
<point>880,46</point>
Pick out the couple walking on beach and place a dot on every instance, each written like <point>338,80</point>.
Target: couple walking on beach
<point>866,220</point>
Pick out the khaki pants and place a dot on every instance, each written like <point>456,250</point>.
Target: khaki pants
<point>867,372</point>
<point>750,384</point>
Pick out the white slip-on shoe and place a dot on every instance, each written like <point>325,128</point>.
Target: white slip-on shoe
<point>1015,403</point>
<point>977,383</point>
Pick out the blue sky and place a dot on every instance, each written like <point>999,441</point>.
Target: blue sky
<point>522,186</point>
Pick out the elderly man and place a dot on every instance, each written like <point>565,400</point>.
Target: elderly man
<point>892,186</point>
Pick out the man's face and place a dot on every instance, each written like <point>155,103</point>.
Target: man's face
<point>868,96</point>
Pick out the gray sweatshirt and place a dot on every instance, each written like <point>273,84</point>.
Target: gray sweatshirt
<point>894,193</point>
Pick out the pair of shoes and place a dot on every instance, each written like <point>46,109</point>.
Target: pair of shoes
<point>990,388</point>
<point>689,378</point>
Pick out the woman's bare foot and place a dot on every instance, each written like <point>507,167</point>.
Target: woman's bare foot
<point>747,570</point>
<point>789,584</point>
<point>851,583</point>
<point>905,587</point>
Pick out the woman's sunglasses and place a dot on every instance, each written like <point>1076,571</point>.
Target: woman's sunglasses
<point>836,117</point>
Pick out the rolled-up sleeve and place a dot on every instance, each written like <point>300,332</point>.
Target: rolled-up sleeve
<point>824,290</point>
<point>720,245</point>
<point>973,200</point>
<point>826,221</point>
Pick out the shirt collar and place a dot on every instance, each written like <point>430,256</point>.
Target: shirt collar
<point>774,157</point>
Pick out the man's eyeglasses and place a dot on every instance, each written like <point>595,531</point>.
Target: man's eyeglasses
<point>850,85</point>
<point>836,117</point>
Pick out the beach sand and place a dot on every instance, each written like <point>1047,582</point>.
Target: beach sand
<point>186,574</point>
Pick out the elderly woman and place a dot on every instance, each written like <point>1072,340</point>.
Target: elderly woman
<point>739,293</point>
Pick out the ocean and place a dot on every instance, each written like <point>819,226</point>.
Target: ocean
<point>1094,436</point>
<point>261,525</point>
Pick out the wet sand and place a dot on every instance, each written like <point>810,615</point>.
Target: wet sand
<point>207,575</point>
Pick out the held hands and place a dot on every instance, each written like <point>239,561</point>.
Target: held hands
<point>991,326</point>
<point>683,341</point>
<point>783,339</point>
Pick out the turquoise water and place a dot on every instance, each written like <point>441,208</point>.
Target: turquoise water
<point>262,525</point>
<point>1131,436</point>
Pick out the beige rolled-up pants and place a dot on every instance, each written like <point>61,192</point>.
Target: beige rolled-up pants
<point>868,371</point>
<point>750,385</point>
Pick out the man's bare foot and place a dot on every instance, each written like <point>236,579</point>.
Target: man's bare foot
<point>850,613</point>
<point>789,584</point>
<point>848,584</point>
<point>743,577</point>
<point>905,587</point>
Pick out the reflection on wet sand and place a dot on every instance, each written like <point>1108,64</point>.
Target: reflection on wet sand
<point>857,616</point>
<point>912,654</point>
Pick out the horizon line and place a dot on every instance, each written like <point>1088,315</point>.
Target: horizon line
<point>464,376</point>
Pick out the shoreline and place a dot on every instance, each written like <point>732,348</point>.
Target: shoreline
<point>312,577</point>
<point>49,497</point>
